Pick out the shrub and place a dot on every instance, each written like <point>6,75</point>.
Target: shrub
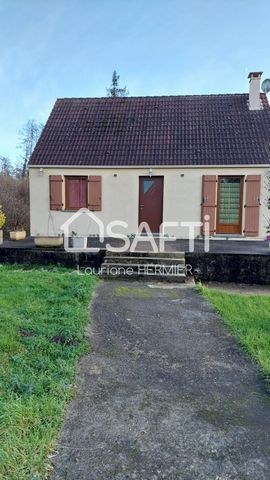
<point>14,198</point>
<point>2,218</point>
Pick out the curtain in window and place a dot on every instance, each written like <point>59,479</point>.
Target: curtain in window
<point>229,201</point>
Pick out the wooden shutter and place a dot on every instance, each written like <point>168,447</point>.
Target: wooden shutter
<point>56,192</point>
<point>252,205</point>
<point>209,201</point>
<point>94,193</point>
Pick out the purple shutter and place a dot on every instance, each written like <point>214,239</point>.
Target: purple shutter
<point>76,193</point>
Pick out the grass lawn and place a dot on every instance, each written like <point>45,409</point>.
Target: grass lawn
<point>43,315</point>
<point>248,316</point>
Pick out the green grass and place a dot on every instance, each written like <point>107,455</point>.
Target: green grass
<point>248,317</point>
<point>43,315</point>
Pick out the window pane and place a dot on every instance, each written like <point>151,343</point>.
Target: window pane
<point>147,184</point>
<point>229,200</point>
<point>76,193</point>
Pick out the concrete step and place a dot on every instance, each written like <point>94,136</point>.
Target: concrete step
<point>142,265</point>
<point>181,278</point>
<point>146,254</point>
<point>144,260</point>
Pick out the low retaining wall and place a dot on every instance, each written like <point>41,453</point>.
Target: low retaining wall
<point>40,256</point>
<point>229,267</point>
<point>219,267</point>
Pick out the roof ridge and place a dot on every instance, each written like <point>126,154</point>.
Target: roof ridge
<point>157,96</point>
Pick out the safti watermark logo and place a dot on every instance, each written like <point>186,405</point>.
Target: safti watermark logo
<point>74,242</point>
<point>81,244</point>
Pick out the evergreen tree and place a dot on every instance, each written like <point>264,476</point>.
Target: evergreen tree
<point>115,90</point>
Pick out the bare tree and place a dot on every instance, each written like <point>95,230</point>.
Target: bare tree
<point>14,198</point>
<point>14,185</point>
<point>29,136</point>
<point>115,90</point>
<point>6,168</point>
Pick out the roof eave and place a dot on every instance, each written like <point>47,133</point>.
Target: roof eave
<point>134,167</point>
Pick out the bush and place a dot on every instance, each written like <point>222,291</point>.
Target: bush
<point>14,198</point>
<point>2,218</point>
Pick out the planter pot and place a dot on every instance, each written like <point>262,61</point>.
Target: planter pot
<point>48,241</point>
<point>78,242</point>
<point>268,238</point>
<point>17,235</point>
<point>1,237</point>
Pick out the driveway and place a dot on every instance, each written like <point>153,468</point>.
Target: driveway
<point>165,393</point>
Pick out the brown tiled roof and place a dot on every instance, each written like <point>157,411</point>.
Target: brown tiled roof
<point>176,130</point>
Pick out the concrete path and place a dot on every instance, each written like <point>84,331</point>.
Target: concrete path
<point>165,394</point>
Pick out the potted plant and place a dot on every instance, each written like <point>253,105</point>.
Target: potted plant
<point>77,241</point>
<point>2,223</point>
<point>18,233</point>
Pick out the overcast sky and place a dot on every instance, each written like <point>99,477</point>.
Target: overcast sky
<point>69,48</point>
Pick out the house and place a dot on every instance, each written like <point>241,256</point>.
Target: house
<point>155,159</point>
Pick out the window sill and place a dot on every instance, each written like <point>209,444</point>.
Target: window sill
<point>70,210</point>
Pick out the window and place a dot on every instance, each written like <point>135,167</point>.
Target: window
<point>76,193</point>
<point>229,212</point>
<point>229,200</point>
<point>147,184</point>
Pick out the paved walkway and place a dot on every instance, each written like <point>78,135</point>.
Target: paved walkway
<point>165,394</point>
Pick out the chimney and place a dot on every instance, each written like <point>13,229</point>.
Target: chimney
<point>254,90</point>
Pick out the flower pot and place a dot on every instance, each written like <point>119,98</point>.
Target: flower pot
<point>17,235</point>
<point>1,237</point>
<point>78,242</point>
<point>49,242</point>
<point>268,238</point>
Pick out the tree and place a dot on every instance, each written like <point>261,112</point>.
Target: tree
<point>29,136</point>
<point>14,198</point>
<point>14,183</point>
<point>6,168</point>
<point>115,90</point>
